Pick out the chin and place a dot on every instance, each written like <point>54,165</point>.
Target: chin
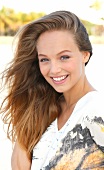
<point>59,90</point>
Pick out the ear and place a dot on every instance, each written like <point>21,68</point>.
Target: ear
<point>86,56</point>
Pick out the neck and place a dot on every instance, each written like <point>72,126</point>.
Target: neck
<point>77,92</point>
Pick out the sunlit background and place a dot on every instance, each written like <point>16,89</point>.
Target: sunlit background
<point>15,13</point>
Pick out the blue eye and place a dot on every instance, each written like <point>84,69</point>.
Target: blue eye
<point>44,60</point>
<point>65,57</point>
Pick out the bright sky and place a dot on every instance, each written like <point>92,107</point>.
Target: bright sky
<point>45,5</point>
<point>79,7</point>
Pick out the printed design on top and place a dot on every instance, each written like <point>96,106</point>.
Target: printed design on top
<point>78,150</point>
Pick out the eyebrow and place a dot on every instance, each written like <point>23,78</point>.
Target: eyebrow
<point>39,55</point>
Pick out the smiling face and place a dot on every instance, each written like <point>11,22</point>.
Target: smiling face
<point>60,61</point>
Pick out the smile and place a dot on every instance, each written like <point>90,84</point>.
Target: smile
<point>59,78</point>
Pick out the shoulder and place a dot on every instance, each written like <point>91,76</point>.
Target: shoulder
<point>19,159</point>
<point>94,103</point>
<point>94,119</point>
<point>97,104</point>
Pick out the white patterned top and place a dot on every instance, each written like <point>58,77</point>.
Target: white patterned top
<point>79,144</point>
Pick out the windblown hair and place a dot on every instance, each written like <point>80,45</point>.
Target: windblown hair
<point>32,104</point>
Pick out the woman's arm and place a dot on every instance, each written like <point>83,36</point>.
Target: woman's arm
<point>19,159</point>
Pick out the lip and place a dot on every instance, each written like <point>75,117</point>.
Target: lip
<point>59,81</point>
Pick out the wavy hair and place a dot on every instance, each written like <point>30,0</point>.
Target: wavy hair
<point>32,104</point>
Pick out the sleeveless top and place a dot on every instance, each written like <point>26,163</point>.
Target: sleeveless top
<point>79,144</point>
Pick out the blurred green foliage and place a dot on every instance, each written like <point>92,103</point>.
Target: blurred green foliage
<point>10,22</point>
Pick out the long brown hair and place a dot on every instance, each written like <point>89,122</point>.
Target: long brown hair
<point>32,104</point>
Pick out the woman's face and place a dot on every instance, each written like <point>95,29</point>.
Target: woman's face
<point>60,61</point>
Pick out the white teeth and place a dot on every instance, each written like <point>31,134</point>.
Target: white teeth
<point>59,78</point>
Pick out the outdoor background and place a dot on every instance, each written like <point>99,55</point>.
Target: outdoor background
<point>14,14</point>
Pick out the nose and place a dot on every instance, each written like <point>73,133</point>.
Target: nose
<point>55,68</point>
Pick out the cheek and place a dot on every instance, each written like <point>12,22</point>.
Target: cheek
<point>43,69</point>
<point>74,67</point>
<point>70,66</point>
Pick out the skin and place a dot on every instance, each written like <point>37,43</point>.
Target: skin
<point>20,160</point>
<point>63,66</point>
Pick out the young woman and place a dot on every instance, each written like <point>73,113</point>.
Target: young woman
<point>56,117</point>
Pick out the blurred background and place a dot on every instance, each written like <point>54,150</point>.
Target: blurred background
<point>14,14</point>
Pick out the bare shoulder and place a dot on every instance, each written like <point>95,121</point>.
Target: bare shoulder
<point>19,159</point>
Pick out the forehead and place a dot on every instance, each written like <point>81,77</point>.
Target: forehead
<point>54,34</point>
<point>55,39</point>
